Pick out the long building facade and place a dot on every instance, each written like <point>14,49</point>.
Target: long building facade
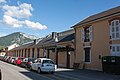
<point>85,44</point>
<point>58,46</point>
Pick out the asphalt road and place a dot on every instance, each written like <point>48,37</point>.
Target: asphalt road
<point>13,72</point>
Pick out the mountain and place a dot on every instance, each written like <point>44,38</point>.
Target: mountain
<point>17,37</point>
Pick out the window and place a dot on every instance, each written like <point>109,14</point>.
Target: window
<point>47,61</point>
<point>115,30</point>
<point>118,48</point>
<point>86,31</point>
<point>87,34</point>
<point>38,60</point>
<point>87,55</point>
<point>117,22</point>
<point>115,50</point>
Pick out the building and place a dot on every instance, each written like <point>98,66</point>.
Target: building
<point>57,46</point>
<point>5,50</point>
<point>2,53</point>
<point>97,36</point>
<point>12,46</point>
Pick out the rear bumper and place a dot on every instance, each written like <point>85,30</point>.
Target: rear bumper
<point>44,69</point>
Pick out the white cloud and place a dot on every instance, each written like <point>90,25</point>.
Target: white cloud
<point>2,1</point>
<point>12,21</point>
<point>16,16</point>
<point>21,11</point>
<point>35,25</point>
<point>17,23</point>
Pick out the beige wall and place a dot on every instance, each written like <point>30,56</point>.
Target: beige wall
<point>100,45</point>
<point>62,59</point>
<point>52,56</point>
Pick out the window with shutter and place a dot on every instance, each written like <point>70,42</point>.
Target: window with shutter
<point>115,50</point>
<point>91,33</point>
<point>115,30</point>
<point>82,35</point>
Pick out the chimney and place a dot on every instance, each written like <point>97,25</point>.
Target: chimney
<point>35,41</point>
<point>55,36</point>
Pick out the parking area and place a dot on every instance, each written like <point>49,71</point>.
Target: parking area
<point>13,72</point>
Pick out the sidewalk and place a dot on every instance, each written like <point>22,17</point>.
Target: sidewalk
<point>90,74</point>
<point>64,69</point>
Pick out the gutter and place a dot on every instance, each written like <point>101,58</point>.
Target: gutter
<point>84,23</point>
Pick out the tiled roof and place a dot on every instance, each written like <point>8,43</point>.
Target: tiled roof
<point>23,46</point>
<point>47,41</point>
<point>68,38</point>
<point>99,16</point>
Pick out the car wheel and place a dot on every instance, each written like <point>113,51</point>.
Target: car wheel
<point>39,70</point>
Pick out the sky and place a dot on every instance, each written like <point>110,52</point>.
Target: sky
<point>42,17</point>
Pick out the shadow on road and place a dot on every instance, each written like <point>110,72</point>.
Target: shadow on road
<point>70,74</point>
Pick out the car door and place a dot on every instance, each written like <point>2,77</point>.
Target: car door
<point>33,65</point>
<point>37,64</point>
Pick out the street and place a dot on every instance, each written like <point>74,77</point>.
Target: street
<point>13,72</point>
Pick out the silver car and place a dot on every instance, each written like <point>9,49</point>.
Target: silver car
<point>43,65</point>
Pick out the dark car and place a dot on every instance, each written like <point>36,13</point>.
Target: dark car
<point>26,62</point>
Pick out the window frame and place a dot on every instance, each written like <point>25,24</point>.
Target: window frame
<point>89,34</point>
<point>115,24</point>
<point>116,52</point>
<point>84,55</point>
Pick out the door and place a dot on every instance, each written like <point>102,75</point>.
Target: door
<point>68,59</point>
<point>87,55</point>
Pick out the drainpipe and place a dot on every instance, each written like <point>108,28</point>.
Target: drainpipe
<point>75,47</point>
<point>55,37</point>
<point>56,56</point>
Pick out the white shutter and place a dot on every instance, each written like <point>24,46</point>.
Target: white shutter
<point>119,29</point>
<point>91,33</point>
<point>82,35</point>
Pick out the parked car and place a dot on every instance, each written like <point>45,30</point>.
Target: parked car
<point>26,62</point>
<point>4,58</point>
<point>12,59</point>
<point>1,57</point>
<point>18,60</point>
<point>43,65</point>
<point>7,58</point>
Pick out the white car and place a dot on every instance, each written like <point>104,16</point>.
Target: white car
<point>43,65</point>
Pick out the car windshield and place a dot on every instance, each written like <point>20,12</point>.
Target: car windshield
<point>48,61</point>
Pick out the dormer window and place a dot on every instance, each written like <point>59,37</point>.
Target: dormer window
<point>115,29</point>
